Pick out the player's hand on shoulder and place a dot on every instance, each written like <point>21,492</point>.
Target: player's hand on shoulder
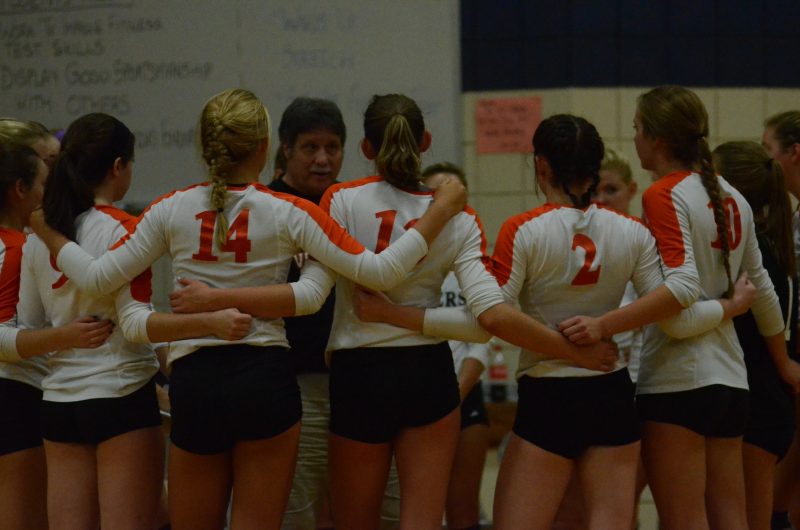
<point>452,195</point>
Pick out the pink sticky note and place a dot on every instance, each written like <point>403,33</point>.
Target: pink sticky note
<point>506,125</point>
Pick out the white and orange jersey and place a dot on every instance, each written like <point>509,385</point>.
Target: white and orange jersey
<point>30,371</point>
<point>377,214</point>
<point>266,229</point>
<point>559,261</point>
<point>679,213</point>
<point>119,366</point>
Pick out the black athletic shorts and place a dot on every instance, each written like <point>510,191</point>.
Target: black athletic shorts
<point>717,411</point>
<point>567,415</point>
<point>93,421</point>
<point>222,395</point>
<point>473,411</point>
<point>20,416</point>
<point>770,424</point>
<point>377,392</point>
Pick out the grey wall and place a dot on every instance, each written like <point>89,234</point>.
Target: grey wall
<point>153,64</point>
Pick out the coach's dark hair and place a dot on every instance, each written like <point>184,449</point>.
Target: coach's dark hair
<point>310,114</point>
<point>574,150</point>
<point>18,163</point>
<point>88,150</point>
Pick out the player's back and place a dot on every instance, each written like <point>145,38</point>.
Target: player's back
<point>376,214</point>
<point>561,261</point>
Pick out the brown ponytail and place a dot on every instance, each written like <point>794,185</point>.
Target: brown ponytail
<point>394,127</point>
<point>748,168</point>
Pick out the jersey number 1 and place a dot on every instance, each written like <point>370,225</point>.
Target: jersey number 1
<point>387,225</point>
<point>235,241</point>
<point>586,276</point>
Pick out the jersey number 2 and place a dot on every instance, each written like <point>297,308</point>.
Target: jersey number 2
<point>586,276</point>
<point>235,241</point>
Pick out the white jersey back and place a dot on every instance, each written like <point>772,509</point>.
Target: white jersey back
<point>678,211</point>
<point>376,214</point>
<point>114,369</point>
<point>559,262</point>
<point>30,371</point>
<point>266,230</point>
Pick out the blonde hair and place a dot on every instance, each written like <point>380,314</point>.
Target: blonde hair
<point>232,126</point>
<point>22,132</point>
<point>677,116</point>
<point>613,161</point>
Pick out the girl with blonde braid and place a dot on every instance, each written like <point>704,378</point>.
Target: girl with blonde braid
<point>692,393</point>
<point>235,404</point>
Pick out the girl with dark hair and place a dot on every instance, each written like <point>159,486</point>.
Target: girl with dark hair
<point>781,140</point>
<point>562,259</point>
<point>692,393</point>
<point>22,462</point>
<point>100,417</point>
<point>770,425</point>
<point>556,261</point>
<point>236,405</point>
<point>405,411</point>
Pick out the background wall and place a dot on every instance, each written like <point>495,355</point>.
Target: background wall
<point>593,58</point>
<point>154,63</point>
<point>502,184</point>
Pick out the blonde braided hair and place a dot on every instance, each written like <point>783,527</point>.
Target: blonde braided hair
<point>232,126</point>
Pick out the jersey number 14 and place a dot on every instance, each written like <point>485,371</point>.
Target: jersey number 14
<point>235,241</point>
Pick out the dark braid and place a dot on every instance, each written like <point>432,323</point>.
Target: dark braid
<point>574,149</point>
<point>711,183</point>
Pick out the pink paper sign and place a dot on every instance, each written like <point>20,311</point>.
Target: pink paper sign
<point>506,125</point>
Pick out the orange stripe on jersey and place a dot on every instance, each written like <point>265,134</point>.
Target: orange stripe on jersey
<point>623,214</point>
<point>142,285</point>
<point>11,259</point>
<point>325,202</point>
<point>487,261</point>
<point>336,234</point>
<point>503,257</point>
<point>662,218</point>
<point>131,227</point>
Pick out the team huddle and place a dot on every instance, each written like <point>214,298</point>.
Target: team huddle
<point>316,380</point>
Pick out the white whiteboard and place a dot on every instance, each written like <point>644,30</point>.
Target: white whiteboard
<point>153,64</point>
